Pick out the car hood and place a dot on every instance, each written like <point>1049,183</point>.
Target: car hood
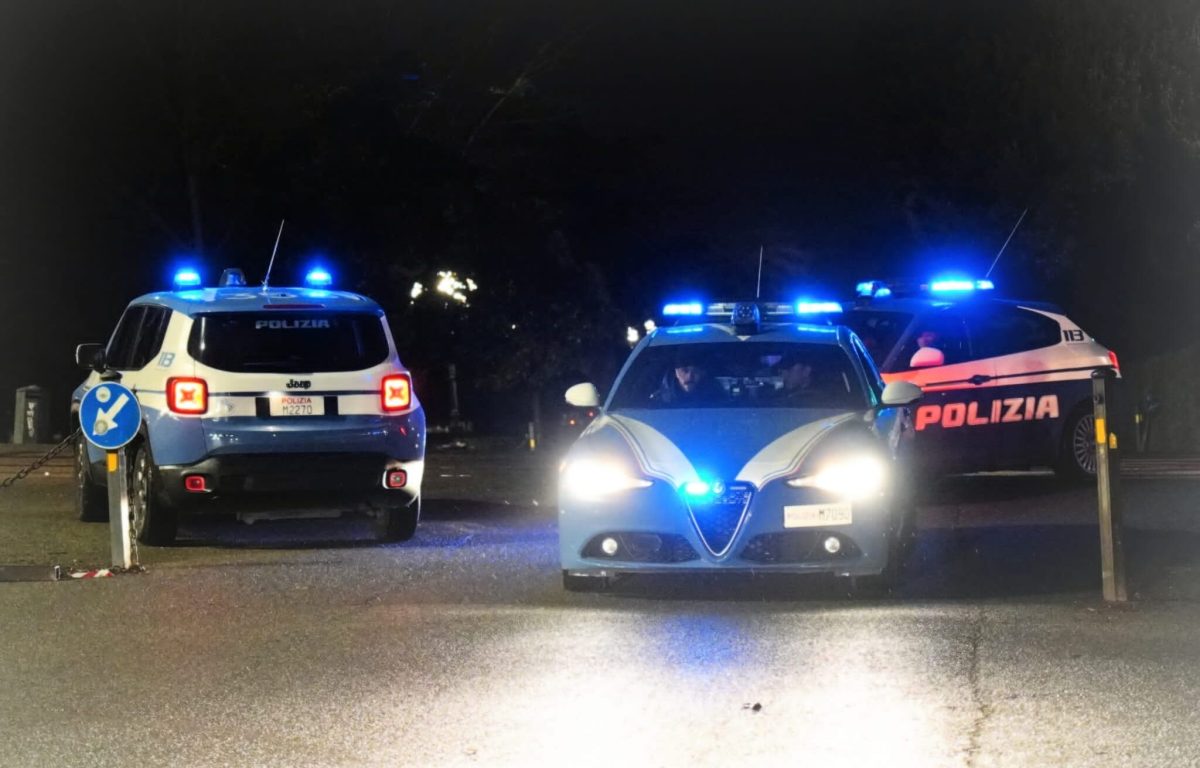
<point>743,445</point>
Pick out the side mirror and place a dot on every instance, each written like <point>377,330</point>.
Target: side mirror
<point>902,393</point>
<point>927,357</point>
<point>584,395</point>
<point>90,357</point>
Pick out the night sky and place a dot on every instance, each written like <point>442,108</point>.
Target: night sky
<point>659,145</point>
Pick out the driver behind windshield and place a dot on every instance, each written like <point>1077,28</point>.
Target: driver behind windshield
<point>687,381</point>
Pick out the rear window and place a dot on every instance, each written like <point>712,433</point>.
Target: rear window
<point>288,341</point>
<point>729,375</point>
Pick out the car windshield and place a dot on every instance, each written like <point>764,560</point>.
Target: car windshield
<point>879,331</point>
<point>288,341</point>
<point>733,375</point>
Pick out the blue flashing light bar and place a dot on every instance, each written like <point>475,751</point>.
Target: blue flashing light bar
<point>959,285</point>
<point>691,308</point>
<point>318,278</point>
<point>696,488</point>
<point>951,286</point>
<point>187,278</point>
<point>817,307</point>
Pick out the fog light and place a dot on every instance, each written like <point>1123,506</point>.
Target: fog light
<point>833,545</point>
<point>195,484</point>
<point>396,478</point>
<point>609,546</point>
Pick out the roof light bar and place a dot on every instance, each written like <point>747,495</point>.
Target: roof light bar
<point>690,308</point>
<point>318,278</point>
<point>187,278</point>
<point>817,307</point>
<point>960,285</point>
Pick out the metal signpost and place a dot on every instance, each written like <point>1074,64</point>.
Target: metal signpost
<point>1108,483</point>
<point>110,416</point>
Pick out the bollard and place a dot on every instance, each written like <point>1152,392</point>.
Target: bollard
<point>1108,487</point>
<point>118,508</point>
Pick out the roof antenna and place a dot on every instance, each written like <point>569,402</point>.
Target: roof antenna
<point>274,250</point>
<point>1010,236</point>
<point>758,288</point>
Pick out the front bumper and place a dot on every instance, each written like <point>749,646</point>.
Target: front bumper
<point>339,481</point>
<point>657,532</point>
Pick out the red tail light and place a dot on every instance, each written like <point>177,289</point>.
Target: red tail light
<point>187,395</point>
<point>1113,356</point>
<point>396,392</point>
<point>195,483</point>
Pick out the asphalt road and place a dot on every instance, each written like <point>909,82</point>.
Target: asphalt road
<point>306,643</point>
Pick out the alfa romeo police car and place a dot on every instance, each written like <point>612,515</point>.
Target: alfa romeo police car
<point>1007,383</point>
<point>747,441</point>
<point>286,401</point>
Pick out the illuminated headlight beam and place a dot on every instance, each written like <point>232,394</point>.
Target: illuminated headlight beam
<point>852,477</point>
<point>592,479</point>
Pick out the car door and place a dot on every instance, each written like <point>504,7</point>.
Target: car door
<point>1029,389</point>
<point>952,422</point>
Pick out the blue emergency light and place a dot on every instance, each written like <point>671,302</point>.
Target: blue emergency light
<point>817,307</point>
<point>960,285</point>
<point>682,309</point>
<point>318,278</point>
<point>948,284</point>
<point>187,278</point>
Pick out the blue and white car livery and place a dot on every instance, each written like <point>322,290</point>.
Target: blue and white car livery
<point>739,445</point>
<point>290,401</point>
<point>1007,382</point>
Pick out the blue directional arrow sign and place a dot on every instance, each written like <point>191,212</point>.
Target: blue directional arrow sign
<point>109,415</point>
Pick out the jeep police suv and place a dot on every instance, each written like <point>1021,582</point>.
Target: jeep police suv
<point>287,401</point>
<point>1007,383</point>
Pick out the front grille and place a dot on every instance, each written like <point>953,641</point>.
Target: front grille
<point>803,546</point>
<point>717,519</point>
<point>642,548</point>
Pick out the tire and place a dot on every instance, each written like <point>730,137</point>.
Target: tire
<point>91,498</point>
<point>902,540</point>
<point>1077,447</point>
<point>151,520</point>
<point>399,523</point>
<point>575,583</point>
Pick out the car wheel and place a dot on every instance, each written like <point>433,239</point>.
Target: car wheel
<point>91,498</point>
<point>573,582</point>
<point>1077,451</point>
<point>151,521</point>
<point>399,523</point>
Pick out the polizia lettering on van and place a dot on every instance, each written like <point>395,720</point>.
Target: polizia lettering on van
<point>290,324</point>
<point>976,414</point>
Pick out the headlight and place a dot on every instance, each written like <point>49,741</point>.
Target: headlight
<point>850,477</point>
<point>592,479</point>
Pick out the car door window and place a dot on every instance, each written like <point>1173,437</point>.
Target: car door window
<point>150,336</point>
<point>943,331</point>
<point>121,346</point>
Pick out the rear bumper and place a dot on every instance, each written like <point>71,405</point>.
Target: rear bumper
<point>293,480</point>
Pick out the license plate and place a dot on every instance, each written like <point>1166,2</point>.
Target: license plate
<point>297,405</point>
<point>816,515</point>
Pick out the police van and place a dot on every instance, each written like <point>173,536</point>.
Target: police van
<point>1007,382</point>
<point>286,401</point>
